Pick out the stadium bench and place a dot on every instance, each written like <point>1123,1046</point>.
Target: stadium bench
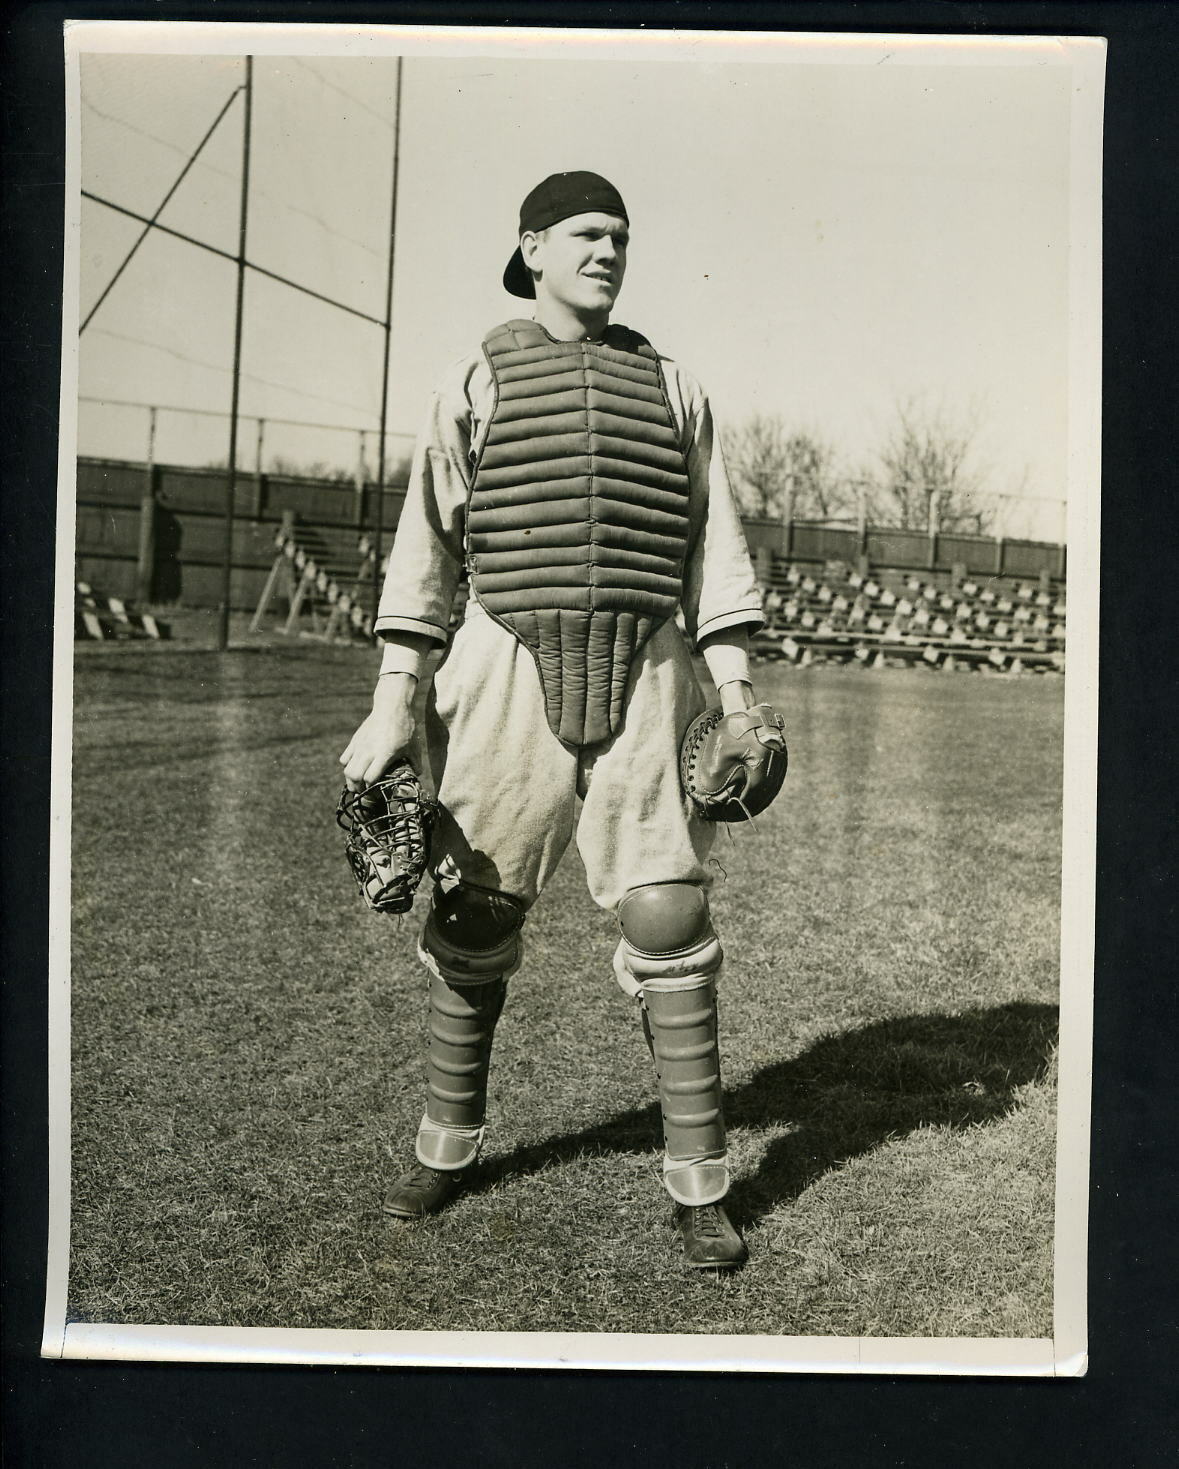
<point>98,617</point>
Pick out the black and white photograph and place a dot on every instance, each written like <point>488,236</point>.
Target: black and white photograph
<point>575,699</point>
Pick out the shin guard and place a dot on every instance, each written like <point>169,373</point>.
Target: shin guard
<point>461,1027</point>
<point>681,1027</point>
<point>669,957</point>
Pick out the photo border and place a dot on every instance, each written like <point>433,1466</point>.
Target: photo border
<point>1065,1352</point>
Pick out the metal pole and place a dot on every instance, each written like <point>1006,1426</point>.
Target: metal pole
<point>145,565</point>
<point>379,512</point>
<point>788,517</point>
<point>861,492</point>
<point>931,528</point>
<point>259,465</point>
<point>358,483</point>
<point>231,477</point>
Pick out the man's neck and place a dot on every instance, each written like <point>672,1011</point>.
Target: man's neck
<point>567,325</point>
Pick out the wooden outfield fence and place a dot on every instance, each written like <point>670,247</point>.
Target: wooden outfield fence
<point>907,550</point>
<point>159,536</point>
<point>156,534</point>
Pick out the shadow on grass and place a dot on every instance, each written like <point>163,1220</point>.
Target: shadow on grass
<point>842,1097</point>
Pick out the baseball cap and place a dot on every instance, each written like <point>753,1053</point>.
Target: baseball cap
<point>555,199</point>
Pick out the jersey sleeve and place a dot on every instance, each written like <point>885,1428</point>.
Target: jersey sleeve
<point>427,556</point>
<point>720,587</point>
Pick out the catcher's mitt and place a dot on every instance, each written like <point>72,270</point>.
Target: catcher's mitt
<point>733,765</point>
<point>388,827</point>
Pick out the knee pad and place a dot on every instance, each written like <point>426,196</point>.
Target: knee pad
<point>668,940</point>
<point>472,934</point>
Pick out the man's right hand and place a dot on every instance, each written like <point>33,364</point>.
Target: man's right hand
<point>384,735</point>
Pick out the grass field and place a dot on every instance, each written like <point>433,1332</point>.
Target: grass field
<point>247,1038</point>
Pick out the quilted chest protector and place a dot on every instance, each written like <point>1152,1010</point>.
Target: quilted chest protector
<point>577,525</point>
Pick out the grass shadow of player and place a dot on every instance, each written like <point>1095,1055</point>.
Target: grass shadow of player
<point>842,1097</point>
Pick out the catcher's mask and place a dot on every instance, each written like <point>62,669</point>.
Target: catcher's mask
<point>387,828</point>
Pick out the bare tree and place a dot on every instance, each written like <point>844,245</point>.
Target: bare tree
<point>927,475</point>
<point>320,469</point>
<point>768,462</point>
<point>756,451</point>
<point>396,470</point>
<point>820,493</point>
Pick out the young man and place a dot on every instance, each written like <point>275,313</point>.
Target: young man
<point>576,474</point>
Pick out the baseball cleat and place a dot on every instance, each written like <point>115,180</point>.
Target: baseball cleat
<point>422,1191</point>
<point>710,1241</point>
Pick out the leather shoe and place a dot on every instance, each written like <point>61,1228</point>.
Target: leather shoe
<point>423,1190</point>
<point>710,1241</point>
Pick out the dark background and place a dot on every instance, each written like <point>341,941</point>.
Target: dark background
<point>60,1413</point>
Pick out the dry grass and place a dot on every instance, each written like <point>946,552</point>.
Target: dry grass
<point>247,1038</point>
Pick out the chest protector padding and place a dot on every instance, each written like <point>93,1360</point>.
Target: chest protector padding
<point>577,525</point>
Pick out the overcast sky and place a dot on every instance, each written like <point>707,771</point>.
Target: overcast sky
<point>813,241</point>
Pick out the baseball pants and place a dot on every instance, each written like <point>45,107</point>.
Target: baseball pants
<point>509,788</point>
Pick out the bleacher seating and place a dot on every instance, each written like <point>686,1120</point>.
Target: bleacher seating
<point>840,614</point>
<point>99,618</point>
<point>325,582</point>
<point>321,578</point>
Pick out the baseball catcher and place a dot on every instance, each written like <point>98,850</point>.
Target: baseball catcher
<point>574,473</point>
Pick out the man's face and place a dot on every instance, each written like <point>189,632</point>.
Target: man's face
<point>581,260</point>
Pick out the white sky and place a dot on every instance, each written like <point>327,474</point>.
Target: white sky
<point>814,241</point>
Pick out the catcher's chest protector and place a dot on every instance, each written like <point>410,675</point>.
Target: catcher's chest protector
<point>577,525</point>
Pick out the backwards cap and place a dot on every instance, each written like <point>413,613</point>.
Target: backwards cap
<point>558,197</point>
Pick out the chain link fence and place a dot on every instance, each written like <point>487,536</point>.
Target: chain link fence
<point>197,438</point>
